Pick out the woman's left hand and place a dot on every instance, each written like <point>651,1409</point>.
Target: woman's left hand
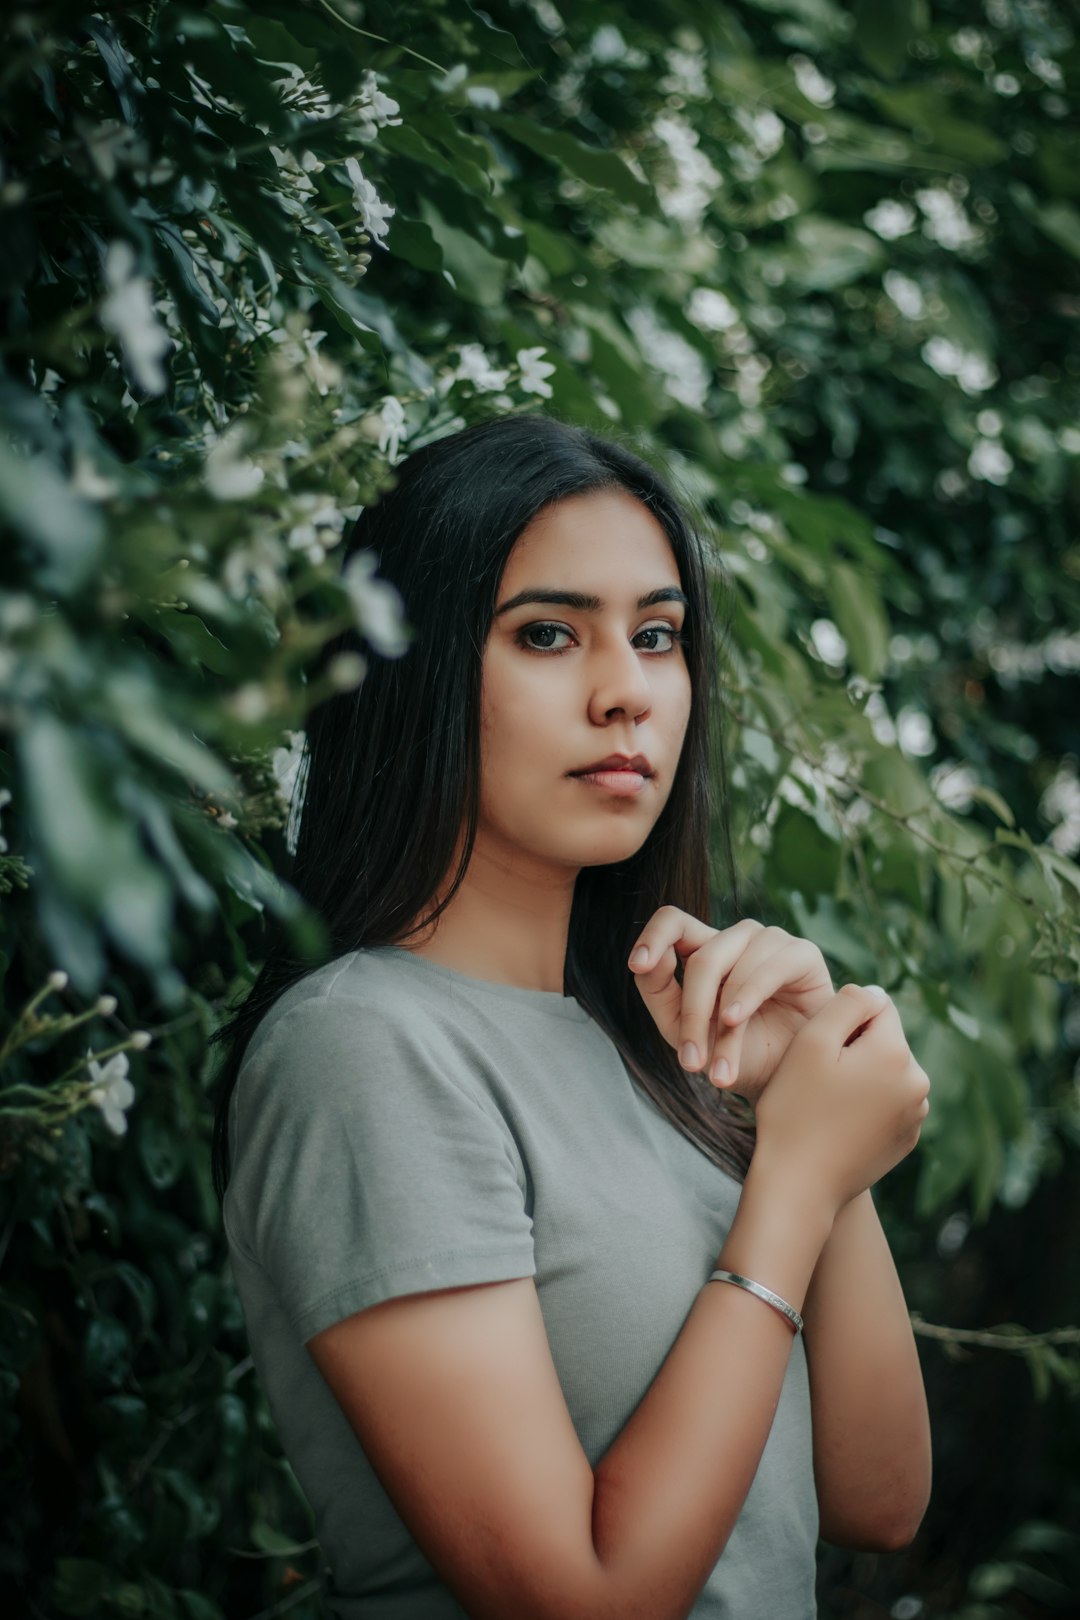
<point>746,991</point>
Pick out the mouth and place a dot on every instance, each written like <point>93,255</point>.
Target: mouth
<point>620,783</point>
<point>617,764</point>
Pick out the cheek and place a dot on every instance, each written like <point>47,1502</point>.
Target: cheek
<point>511,724</point>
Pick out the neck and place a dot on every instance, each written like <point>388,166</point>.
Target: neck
<point>509,922</point>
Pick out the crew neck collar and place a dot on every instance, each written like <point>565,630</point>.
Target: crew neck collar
<point>552,1001</point>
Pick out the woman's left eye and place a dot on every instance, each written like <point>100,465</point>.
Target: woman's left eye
<point>676,637</point>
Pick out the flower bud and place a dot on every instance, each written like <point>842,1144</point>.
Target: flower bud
<point>141,1039</point>
<point>57,979</point>
<point>106,1005</point>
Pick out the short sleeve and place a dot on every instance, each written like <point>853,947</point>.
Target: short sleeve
<point>364,1167</point>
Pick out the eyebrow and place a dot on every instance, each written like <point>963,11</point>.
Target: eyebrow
<point>588,604</point>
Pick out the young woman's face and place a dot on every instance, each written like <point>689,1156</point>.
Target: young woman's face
<point>567,684</point>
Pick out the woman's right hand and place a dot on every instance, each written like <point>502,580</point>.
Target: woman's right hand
<point>842,1108</point>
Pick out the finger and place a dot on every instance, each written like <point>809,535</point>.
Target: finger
<point>661,992</point>
<point>703,978</point>
<point>725,1060</point>
<point>766,966</point>
<point>777,961</point>
<point>883,1026</point>
<point>852,1008</point>
<point>668,928</point>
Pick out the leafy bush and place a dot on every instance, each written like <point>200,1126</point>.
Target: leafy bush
<point>819,259</point>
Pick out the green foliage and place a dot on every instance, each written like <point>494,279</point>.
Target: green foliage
<point>819,259</point>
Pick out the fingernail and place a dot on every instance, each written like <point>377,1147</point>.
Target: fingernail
<point>688,1056</point>
<point>735,1010</point>
<point>875,990</point>
<point>639,957</point>
<point>721,1071</point>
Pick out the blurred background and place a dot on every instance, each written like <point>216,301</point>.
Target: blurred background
<point>820,261</point>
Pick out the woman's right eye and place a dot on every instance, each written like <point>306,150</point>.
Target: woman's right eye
<point>529,630</point>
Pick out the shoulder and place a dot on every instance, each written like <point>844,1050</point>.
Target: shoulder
<point>356,1030</point>
<point>359,994</point>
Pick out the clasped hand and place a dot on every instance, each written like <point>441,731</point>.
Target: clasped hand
<point>746,992</point>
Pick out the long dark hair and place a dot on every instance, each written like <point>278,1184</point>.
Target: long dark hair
<point>390,775</point>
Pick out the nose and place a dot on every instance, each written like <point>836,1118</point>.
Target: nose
<point>620,685</point>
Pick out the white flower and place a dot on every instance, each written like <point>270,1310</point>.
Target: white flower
<point>711,310</point>
<point>319,529</point>
<point>112,1091</point>
<point>890,218</point>
<point>812,82</point>
<point>973,372</point>
<point>905,293</point>
<point>377,605</point>
<point>229,475</point>
<point>375,213</point>
<point>475,367</point>
<point>293,173</point>
<point>764,128</point>
<point>325,372</point>
<point>696,180</point>
<point>685,373</point>
<point>391,426</point>
<point>946,222</point>
<point>990,461</point>
<point>380,108</point>
<point>952,783</point>
<point>914,732</point>
<point>533,372</point>
<point>285,763</point>
<point>256,569</point>
<point>298,92</point>
<point>128,311</point>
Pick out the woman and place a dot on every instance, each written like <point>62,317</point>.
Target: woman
<point>486,1160</point>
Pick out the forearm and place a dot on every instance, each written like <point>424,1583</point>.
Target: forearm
<point>671,1486</point>
<point>872,1457</point>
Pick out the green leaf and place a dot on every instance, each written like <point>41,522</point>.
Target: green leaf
<point>161,1152</point>
<point>884,29</point>
<point>195,645</point>
<point>478,275</point>
<point>593,164</point>
<point>802,857</point>
<point>43,508</point>
<point>412,239</point>
<point>832,255</point>
<point>270,1540</point>
<point>987,795</point>
<point>136,708</point>
<point>407,141</point>
<point>198,1607</point>
<point>1060,221</point>
<point>78,1585</point>
<point>107,1353</point>
<point>924,112</point>
<point>860,618</point>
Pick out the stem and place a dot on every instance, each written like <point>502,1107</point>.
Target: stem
<point>994,1338</point>
<point>904,818</point>
<point>379,37</point>
<point>24,1018</point>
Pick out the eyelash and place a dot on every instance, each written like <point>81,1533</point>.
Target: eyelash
<point>678,639</point>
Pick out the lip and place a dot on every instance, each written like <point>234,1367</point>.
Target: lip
<point>621,784</point>
<point>635,763</point>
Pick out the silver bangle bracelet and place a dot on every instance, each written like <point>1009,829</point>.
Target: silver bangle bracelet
<point>787,1311</point>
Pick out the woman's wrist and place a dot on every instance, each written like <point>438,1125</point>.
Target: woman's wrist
<point>794,1186</point>
<point>782,1224</point>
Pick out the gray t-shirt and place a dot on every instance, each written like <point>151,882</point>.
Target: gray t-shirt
<point>398,1127</point>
